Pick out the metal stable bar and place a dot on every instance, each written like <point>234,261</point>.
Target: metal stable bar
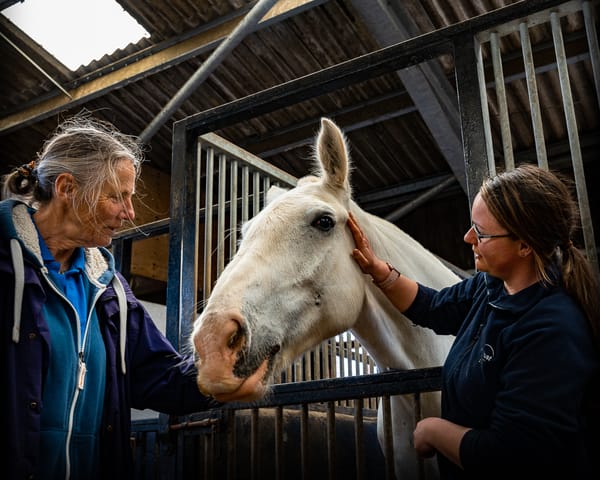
<point>231,445</point>
<point>304,440</point>
<point>184,233</point>
<point>487,129</point>
<point>507,149</point>
<point>331,459</point>
<point>221,216</point>
<point>245,193</point>
<point>279,458</point>
<point>388,440</point>
<point>233,222</point>
<point>208,219</point>
<point>471,118</point>
<point>592,36</point>
<point>418,411</point>
<point>254,445</point>
<point>578,171</point>
<point>534,101</point>
<point>255,193</point>
<point>359,442</point>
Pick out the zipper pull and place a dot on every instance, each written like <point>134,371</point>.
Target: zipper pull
<point>82,372</point>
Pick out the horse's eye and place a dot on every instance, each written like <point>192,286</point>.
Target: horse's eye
<point>324,223</point>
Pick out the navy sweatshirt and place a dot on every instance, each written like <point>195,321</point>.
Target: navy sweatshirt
<point>520,373</point>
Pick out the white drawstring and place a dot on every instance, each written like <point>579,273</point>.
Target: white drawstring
<point>19,269</point>
<point>122,299</point>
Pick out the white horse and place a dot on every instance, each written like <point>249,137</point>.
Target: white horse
<point>293,284</point>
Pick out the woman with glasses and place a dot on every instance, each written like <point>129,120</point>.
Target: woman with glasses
<point>520,384</point>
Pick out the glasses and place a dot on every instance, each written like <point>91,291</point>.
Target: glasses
<point>480,236</point>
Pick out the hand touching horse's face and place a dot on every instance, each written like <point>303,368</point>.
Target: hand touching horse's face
<point>291,284</point>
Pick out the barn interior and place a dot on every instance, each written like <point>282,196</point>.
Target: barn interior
<point>403,126</point>
<point>261,74</point>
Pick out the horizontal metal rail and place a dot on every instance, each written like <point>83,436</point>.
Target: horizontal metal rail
<point>389,382</point>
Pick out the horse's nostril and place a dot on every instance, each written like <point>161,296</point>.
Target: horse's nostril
<point>236,339</point>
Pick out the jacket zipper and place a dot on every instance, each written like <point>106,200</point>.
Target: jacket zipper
<point>81,368</point>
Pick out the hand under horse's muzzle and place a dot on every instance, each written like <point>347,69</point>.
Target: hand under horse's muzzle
<point>227,368</point>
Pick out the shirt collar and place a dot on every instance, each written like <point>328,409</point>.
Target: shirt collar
<point>518,302</point>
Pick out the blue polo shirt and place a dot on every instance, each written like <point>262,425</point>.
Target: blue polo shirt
<point>70,282</point>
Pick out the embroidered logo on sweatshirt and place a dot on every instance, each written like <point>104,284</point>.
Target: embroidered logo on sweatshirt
<point>487,353</point>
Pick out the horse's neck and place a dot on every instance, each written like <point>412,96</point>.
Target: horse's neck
<point>391,339</point>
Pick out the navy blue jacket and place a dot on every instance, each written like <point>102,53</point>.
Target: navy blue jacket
<point>148,374</point>
<point>520,374</point>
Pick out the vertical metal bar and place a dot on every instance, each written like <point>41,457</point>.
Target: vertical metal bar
<point>359,440</point>
<point>279,459</point>
<point>388,442</point>
<point>334,354</point>
<point>222,190</point>
<point>208,221</point>
<point>233,197</point>
<point>592,37</point>
<point>231,445</point>
<point>578,171</point>
<point>418,416</point>
<point>212,457</point>
<point>206,456</point>
<point>183,238</point>
<point>327,358</point>
<point>331,440</point>
<point>485,111</point>
<point>245,192</point>
<point>534,101</point>
<point>266,186</point>
<point>256,193</point>
<point>304,441</point>
<point>509,161</point>
<point>470,109</point>
<point>317,362</point>
<point>348,344</point>
<point>254,446</point>
<point>121,251</point>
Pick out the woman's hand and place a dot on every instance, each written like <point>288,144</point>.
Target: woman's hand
<point>435,435</point>
<point>421,439</point>
<point>368,262</point>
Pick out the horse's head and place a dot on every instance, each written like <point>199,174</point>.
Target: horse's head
<point>291,284</point>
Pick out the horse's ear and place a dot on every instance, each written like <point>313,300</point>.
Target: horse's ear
<point>332,153</point>
<point>274,192</point>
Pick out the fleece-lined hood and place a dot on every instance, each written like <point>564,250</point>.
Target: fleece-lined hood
<point>15,220</point>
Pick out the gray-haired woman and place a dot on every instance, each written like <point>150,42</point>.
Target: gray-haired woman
<point>77,349</point>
